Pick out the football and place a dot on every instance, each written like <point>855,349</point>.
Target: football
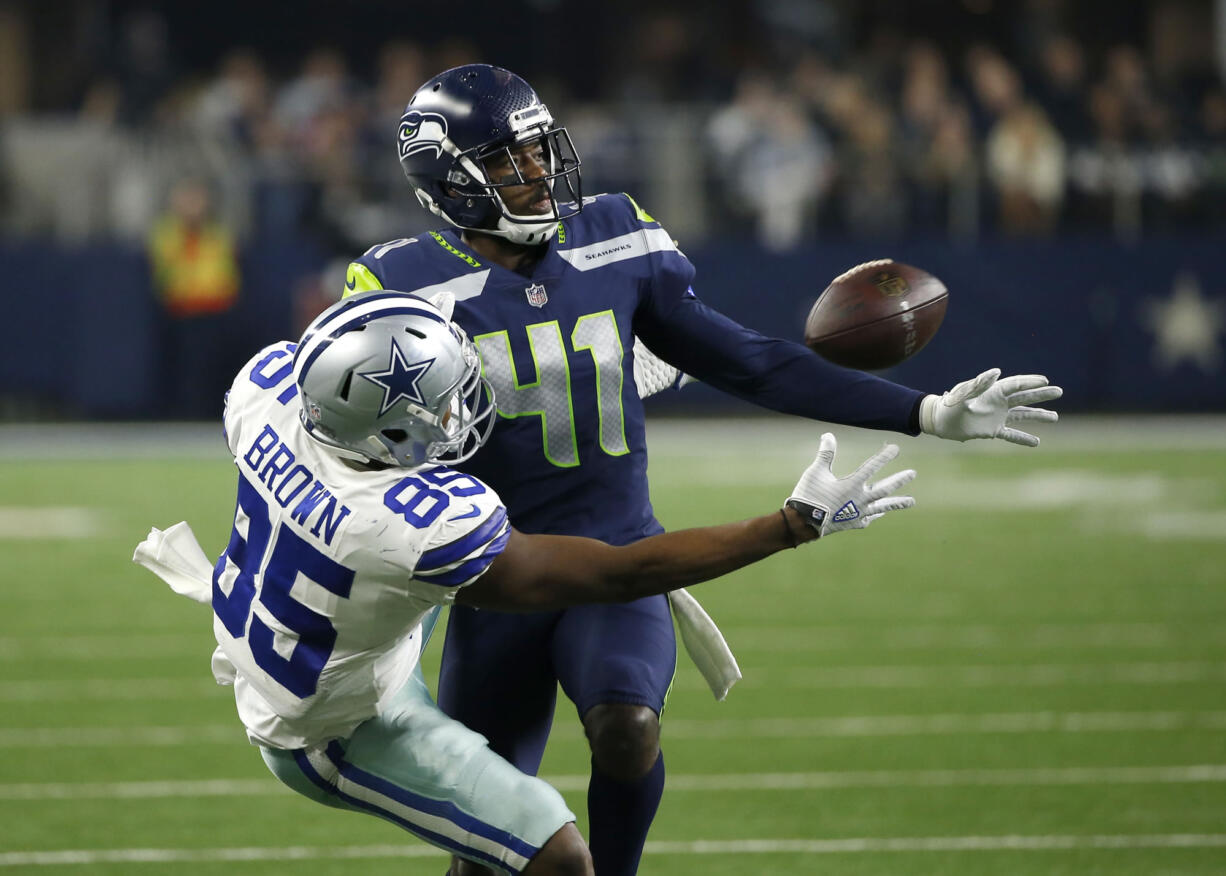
<point>876,315</point>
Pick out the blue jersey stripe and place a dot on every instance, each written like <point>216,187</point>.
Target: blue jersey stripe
<point>439,808</point>
<point>469,569</point>
<point>464,545</point>
<point>462,573</point>
<point>335,331</point>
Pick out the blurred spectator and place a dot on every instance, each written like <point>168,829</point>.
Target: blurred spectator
<point>666,59</point>
<point>872,198</point>
<point>235,105</point>
<point>1210,137</point>
<point>1061,86</point>
<point>322,84</point>
<point>775,161</point>
<point>946,176</point>
<point>402,70</point>
<point>1125,76</point>
<point>925,92</point>
<point>1025,162</point>
<point>143,67</point>
<point>196,278</point>
<point>995,86</point>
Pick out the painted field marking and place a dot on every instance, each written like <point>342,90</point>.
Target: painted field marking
<point>976,637</point>
<point>119,647</point>
<point>849,845</point>
<point>25,522</point>
<point>896,637</point>
<point>1041,776</point>
<point>787,678</point>
<point>1027,676</point>
<point>943,725</point>
<point>128,689</point>
<point>687,728</point>
<point>938,844</point>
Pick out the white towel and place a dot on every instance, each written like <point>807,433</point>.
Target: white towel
<point>705,643</point>
<point>177,558</point>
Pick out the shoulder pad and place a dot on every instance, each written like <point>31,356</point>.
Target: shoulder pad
<point>359,278</point>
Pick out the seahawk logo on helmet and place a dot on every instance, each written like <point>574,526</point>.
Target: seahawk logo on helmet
<point>385,376</point>
<point>422,132</point>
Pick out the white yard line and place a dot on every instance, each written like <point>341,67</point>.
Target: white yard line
<point>850,845</point>
<point>937,844</point>
<point>979,676</point>
<point>1060,776</point>
<point>141,790</point>
<point>127,689</point>
<point>943,725</point>
<point>1078,635</point>
<point>118,737</point>
<point>117,647</point>
<point>49,522</point>
<point>689,728</point>
<point>778,678</point>
<point>975,637</point>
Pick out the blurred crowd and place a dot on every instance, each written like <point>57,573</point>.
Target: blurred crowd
<point>818,126</point>
<point>908,138</point>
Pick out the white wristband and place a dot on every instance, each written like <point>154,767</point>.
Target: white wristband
<point>927,414</point>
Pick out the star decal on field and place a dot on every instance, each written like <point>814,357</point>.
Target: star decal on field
<point>1186,326</point>
<point>399,380</point>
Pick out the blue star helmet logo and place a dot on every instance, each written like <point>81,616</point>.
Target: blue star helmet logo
<point>400,380</point>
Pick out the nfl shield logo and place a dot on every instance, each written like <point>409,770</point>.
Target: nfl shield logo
<point>536,295</point>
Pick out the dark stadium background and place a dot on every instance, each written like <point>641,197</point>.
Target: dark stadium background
<point>708,114</point>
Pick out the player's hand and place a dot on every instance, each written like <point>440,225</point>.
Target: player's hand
<point>832,504</point>
<point>987,406</point>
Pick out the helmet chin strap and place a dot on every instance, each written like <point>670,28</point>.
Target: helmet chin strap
<point>522,232</point>
<point>525,233</point>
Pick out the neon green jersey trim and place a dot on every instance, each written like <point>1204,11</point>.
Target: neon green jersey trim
<point>359,278</point>
<point>467,259</point>
<point>643,215</point>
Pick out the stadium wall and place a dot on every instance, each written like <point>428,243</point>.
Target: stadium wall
<point>1121,328</point>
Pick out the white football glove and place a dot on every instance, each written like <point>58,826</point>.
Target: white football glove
<point>830,504</point>
<point>986,407</point>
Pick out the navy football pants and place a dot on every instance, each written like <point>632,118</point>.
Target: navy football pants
<point>500,672</point>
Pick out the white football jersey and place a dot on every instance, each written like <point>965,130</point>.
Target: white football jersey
<point>318,598</point>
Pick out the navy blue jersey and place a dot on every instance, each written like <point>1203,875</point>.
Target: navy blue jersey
<point>568,454</point>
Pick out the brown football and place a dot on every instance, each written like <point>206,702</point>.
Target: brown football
<point>876,315</point>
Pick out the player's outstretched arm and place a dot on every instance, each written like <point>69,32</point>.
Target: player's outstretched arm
<point>988,406</point>
<point>540,572</point>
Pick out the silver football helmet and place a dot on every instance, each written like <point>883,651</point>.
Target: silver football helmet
<point>385,376</point>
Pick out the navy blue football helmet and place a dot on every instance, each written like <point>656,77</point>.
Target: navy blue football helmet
<point>472,132</point>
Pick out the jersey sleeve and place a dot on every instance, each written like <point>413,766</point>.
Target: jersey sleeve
<point>360,277</point>
<point>671,272</point>
<point>460,550</point>
<point>770,372</point>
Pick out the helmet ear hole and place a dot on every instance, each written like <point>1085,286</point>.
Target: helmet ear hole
<point>396,436</point>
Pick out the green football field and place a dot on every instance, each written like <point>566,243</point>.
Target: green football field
<point>1026,674</point>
